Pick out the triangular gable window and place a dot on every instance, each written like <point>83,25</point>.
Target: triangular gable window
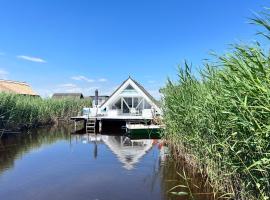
<point>129,90</point>
<point>129,87</point>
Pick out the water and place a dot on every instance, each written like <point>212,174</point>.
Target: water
<point>52,164</point>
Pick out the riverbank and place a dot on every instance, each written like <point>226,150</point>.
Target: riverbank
<point>24,112</point>
<point>219,121</point>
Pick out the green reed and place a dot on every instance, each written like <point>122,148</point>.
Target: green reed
<point>28,111</point>
<point>222,118</point>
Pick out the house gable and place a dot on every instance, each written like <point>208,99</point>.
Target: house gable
<point>128,88</point>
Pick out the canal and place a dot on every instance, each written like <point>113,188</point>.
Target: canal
<point>51,163</point>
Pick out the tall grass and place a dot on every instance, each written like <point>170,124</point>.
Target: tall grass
<point>27,111</point>
<point>222,119</point>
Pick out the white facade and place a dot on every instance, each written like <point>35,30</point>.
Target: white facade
<point>130,99</point>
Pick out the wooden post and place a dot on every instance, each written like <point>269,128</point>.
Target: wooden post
<point>100,126</point>
<point>84,125</point>
<point>75,125</point>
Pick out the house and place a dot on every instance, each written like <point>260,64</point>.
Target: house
<point>130,99</point>
<point>129,103</point>
<point>16,87</point>
<point>67,95</point>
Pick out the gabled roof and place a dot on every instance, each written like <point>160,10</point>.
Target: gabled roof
<point>139,86</point>
<point>146,92</point>
<point>67,95</point>
<point>16,87</point>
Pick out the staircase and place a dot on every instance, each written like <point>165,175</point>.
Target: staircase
<point>91,126</point>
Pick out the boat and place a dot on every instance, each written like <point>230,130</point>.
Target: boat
<point>143,131</point>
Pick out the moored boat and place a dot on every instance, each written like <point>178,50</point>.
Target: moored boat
<point>144,131</point>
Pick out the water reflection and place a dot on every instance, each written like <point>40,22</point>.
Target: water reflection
<point>15,146</point>
<point>52,164</point>
<point>129,152</point>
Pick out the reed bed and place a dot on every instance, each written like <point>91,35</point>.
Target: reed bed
<point>222,118</point>
<point>27,111</point>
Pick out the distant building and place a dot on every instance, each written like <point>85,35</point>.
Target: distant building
<point>16,87</point>
<point>68,95</point>
<point>101,99</point>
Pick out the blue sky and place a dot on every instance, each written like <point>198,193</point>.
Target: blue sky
<point>81,45</point>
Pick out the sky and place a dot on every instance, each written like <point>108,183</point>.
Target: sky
<point>83,45</point>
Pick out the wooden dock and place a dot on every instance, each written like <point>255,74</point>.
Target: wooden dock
<point>99,124</point>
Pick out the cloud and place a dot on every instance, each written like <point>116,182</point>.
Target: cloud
<point>67,85</point>
<point>82,78</point>
<point>102,80</point>
<point>3,74</point>
<point>85,90</point>
<point>32,59</point>
<point>2,53</point>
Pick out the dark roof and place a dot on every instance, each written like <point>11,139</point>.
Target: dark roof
<point>93,96</point>
<point>67,95</point>
<point>140,86</point>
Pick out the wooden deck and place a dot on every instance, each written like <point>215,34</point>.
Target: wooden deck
<point>119,117</point>
<point>102,120</point>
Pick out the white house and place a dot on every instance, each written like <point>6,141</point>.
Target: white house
<point>129,101</point>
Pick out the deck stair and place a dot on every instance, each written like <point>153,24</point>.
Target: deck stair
<point>91,126</point>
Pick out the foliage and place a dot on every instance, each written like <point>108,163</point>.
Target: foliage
<point>222,117</point>
<point>28,111</point>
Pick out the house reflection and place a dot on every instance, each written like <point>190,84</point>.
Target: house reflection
<point>129,152</point>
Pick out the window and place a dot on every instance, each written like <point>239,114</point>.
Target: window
<point>135,102</point>
<point>117,105</point>
<point>129,87</point>
<point>146,105</point>
<point>125,108</point>
<point>128,101</point>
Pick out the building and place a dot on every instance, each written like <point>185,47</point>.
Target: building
<point>67,95</point>
<point>129,101</point>
<point>16,87</point>
<point>130,98</point>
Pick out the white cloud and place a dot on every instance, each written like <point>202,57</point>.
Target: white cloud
<point>82,78</point>
<point>3,74</point>
<point>32,59</point>
<point>67,85</point>
<point>102,80</point>
<point>85,90</point>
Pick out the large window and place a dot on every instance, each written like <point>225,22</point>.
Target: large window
<point>133,105</point>
<point>117,105</point>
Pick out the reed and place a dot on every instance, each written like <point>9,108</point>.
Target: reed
<point>27,111</point>
<point>222,118</point>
